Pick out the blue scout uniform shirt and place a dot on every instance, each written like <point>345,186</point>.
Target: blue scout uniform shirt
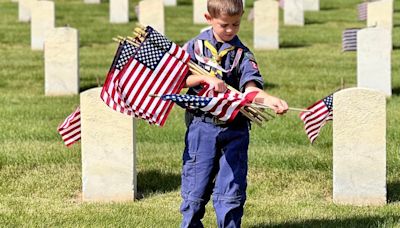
<point>246,70</point>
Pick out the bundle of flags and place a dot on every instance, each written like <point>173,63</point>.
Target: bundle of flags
<point>151,64</point>
<point>70,129</point>
<point>316,117</point>
<point>349,39</point>
<point>224,106</point>
<point>156,66</point>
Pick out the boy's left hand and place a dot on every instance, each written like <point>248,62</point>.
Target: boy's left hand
<point>278,105</point>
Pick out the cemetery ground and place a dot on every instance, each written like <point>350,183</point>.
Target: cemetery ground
<point>290,181</point>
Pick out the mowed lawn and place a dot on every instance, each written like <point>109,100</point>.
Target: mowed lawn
<point>290,180</point>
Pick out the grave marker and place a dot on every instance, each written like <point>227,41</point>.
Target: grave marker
<point>359,147</point>
<point>294,12</point>
<point>43,19</point>
<point>266,24</point>
<point>119,11</point>
<point>108,151</point>
<point>61,55</point>
<point>374,59</point>
<point>152,13</point>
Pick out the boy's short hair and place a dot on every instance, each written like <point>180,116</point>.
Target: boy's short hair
<point>230,7</point>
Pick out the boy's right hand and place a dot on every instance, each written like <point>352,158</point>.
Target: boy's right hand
<point>218,84</point>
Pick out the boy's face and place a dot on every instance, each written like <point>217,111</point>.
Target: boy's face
<point>225,27</point>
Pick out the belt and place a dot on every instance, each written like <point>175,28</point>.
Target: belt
<point>239,121</point>
<point>212,119</point>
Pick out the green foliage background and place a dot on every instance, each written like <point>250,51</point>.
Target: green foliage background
<point>290,181</point>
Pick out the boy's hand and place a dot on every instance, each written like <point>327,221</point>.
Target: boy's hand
<point>278,105</point>
<point>195,80</point>
<point>219,85</point>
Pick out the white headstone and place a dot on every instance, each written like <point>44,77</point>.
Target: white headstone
<point>199,9</point>
<point>43,19</point>
<point>61,61</point>
<point>380,14</point>
<point>374,59</point>
<point>24,10</point>
<point>108,151</point>
<point>293,12</point>
<point>170,2</point>
<point>359,147</point>
<point>119,11</point>
<point>152,13</point>
<point>266,24</point>
<point>311,5</point>
<point>92,1</point>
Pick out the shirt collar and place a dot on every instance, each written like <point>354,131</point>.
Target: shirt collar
<point>208,35</point>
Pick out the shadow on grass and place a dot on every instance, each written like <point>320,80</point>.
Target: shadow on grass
<point>396,91</point>
<point>183,3</point>
<point>87,86</point>
<point>328,8</point>
<point>133,18</point>
<point>396,47</point>
<point>154,181</point>
<point>313,22</point>
<point>292,45</point>
<point>372,221</point>
<point>393,192</point>
<point>396,25</point>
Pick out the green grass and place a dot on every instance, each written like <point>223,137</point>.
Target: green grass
<point>290,181</point>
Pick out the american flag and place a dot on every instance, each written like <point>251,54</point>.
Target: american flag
<point>158,67</point>
<point>225,107</point>
<point>70,129</point>
<point>321,112</point>
<point>362,10</point>
<point>109,92</point>
<point>349,39</point>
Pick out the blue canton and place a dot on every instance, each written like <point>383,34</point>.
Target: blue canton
<point>329,102</point>
<point>188,101</point>
<point>128,50</point>
<point>152,49</point>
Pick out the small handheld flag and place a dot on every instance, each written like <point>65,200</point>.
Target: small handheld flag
<point>70,129</point>
<point>321,112</point>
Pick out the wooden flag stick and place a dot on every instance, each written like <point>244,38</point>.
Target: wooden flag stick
<point>259,105</point>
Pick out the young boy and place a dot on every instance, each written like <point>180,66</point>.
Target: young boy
<point>215,155</point>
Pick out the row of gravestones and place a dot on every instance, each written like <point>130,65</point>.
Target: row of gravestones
<point>35,10</point>
<point>61,45</point>
<point>374,43</point>
<point>360,179</point>
<point>374,47</point>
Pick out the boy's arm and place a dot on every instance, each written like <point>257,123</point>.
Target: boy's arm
<point>195,80</point>
<point>278,105</point>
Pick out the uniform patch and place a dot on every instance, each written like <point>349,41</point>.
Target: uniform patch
<point>254,64</point>
<point>250,56</point>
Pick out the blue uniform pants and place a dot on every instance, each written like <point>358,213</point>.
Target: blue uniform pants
<point>214,162</point>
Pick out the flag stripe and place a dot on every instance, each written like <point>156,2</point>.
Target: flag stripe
<point>70,129</point>
<point>320,113</point>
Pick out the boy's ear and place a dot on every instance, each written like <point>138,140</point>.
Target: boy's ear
<point>208,17</point>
